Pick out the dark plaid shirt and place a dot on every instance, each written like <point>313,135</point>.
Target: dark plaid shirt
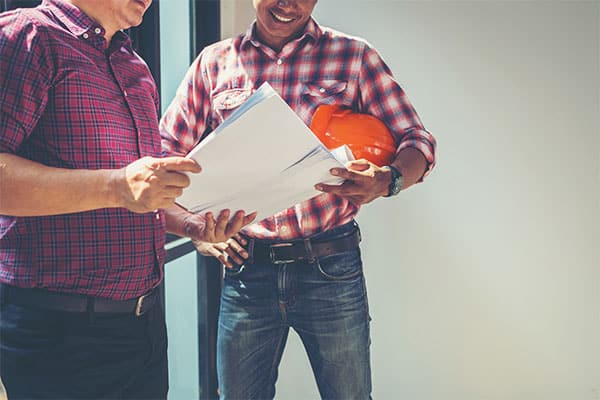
<point>68,100</point>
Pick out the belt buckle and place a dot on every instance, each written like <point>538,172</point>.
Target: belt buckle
<point>272,253</point>
<point>138,306</point>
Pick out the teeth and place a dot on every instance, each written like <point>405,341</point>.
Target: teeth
<point>282,19</point>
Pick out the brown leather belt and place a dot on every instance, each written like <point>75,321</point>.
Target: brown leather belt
<point>47,300</point>
<point>300,250</point>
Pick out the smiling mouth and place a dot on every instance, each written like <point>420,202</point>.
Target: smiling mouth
<point>281,18</point>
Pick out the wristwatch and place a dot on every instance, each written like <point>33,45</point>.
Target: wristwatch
<point>396,184</point>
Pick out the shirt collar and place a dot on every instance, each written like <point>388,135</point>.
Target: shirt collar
<point>75,20</point>
<point>311,30</point>
<point>78,22</point>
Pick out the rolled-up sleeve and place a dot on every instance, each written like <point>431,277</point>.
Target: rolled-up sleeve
<point>382,96</point>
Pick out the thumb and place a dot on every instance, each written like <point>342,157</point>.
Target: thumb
<point>358,165</point>
<point>181,164</point>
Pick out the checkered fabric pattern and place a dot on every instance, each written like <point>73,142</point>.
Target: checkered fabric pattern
<point>322,66</point>
<point>68,101</point>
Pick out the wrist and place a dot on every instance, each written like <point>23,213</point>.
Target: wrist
<point>396,181</point>
<point>193,226</point>
<point>113,183</point>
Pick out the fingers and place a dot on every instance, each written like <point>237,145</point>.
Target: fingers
<point>220,251</point>
<point>352,192</point>
<point>235,224</point>
<point>345,189</point>
<point>363,182</point>
<point>209,226</point>
<point>172,192</point>
<point>358,165</point>
<point>250,218</point>
<point>236,252</point>
<point>216,250</point>
<point>355,170</point>
<point>225,226</point>
<point>176,179</point>
<point>347,174</point>
<point>180,164</point>
<point>238,221</point>
<point>221,227</point>
<point>240,239</point>
<point>228,253</point>
<point>151,183</point>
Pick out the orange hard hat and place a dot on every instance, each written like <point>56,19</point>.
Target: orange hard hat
<point>366,136</point>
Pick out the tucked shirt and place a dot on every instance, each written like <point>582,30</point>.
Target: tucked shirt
<point>322,66</point>
<point>69,100</point>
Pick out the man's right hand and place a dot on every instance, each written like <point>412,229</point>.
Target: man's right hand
<point>152,183</point>
<point>229,252</point>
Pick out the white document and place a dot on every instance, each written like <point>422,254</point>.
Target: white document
<point>262,158</point>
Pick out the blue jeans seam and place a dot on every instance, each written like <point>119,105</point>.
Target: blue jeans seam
<point>277,353</point>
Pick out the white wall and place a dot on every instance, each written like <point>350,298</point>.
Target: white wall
<point>484,282</point>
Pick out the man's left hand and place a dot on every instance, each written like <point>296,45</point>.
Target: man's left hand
<point>204,227</point>
<point>364,182</point>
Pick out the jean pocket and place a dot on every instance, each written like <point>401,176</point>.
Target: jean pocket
<point>341,266</point>
<point>28,328</point>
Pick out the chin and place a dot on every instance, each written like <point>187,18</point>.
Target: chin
<point>135,21</point>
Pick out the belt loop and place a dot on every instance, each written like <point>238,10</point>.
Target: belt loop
<point>309,251</point>
<point>90,310</point>
<point>250,250</point>
<point>357,231</point>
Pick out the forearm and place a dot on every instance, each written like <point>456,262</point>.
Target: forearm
<point>412,164</point>
<point>28,188</point>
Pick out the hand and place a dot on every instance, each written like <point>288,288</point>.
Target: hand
<point>204,228</point>
<point>364,182</point>
<point>229,252</point>
<point>152,183</point>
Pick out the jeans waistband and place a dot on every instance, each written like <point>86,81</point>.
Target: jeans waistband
<point>68,302</point>
<point>340,239</point>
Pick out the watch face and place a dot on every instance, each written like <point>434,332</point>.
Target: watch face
<point>396,184</point>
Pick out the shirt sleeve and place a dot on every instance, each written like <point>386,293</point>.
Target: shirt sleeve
<point>382,97</point>
<point>24,79</point>
<point>186,119</point>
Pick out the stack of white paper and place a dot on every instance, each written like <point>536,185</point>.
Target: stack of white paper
<point>263,158</point>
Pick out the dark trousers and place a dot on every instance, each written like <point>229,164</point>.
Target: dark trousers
<point>47,354</point>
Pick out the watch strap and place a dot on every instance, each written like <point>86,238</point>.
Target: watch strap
<point>395,185</point>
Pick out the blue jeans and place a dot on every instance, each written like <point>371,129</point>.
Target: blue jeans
<point>325,302</point>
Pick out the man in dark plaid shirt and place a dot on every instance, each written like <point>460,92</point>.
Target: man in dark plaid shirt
<point>301,267</point>
<point>85,202</point>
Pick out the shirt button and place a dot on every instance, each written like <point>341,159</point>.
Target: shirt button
<point>157,216</point>
<point>85,35</point>
<point>97,30</point>
<point>279,62</point>
<point>125,93</point>
<point>322,90</point>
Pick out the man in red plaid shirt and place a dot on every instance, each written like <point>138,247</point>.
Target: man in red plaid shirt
<point>85,201</point>
<point>301,267</point>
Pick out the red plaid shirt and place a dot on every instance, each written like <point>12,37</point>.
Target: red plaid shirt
<point>66,101</point>
<point>320,67</point>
